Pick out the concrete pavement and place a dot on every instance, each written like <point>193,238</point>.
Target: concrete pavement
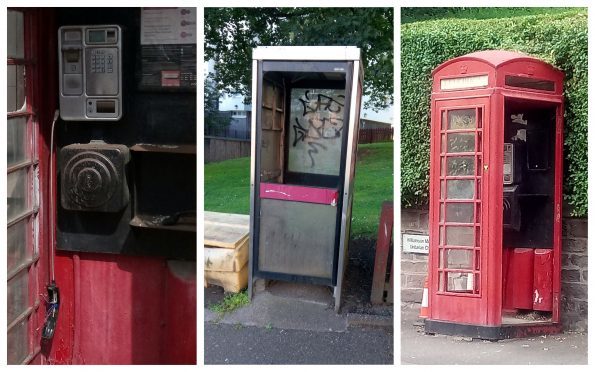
<point>295,324</point>
<point>419,348</point>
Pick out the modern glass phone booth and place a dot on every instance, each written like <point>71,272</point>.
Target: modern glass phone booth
<point>305,118</point>
<point>495,196</point>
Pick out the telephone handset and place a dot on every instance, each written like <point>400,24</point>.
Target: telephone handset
<point>90,61</point>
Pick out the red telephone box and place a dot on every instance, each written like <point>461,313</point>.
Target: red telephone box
<point>495,196</point>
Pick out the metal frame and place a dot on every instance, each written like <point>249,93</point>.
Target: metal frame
<point>493,98</point>
<point>354,80</point>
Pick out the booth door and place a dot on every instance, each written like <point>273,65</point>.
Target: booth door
<point>298,216</point>
<point>457,288</point>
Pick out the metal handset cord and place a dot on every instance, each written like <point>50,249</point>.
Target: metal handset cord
<point>51,251</point>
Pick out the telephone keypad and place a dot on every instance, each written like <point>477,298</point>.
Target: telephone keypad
<point>102,63</point>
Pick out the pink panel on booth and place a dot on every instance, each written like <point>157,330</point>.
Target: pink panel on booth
<point>318,195</point>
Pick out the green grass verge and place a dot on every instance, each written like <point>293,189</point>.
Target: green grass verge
<point>227,186</point>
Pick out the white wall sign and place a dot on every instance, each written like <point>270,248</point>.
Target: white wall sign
<point>416,243</point>
<point>168,26</point>
<point>464,82</point>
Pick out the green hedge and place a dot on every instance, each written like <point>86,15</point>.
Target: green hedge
<point>559,39</point>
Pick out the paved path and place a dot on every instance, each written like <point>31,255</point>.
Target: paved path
<point>293,324</point>
<point>236,344</point>
<point>419,348</point>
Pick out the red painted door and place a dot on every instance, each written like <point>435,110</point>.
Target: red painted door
<point>457,232</point>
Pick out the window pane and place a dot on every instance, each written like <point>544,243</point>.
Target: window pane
<point>460,282</point>
<point>459,259</point>
<point>316,131</point>
<point>18,343</point>
<point>17,141</point>
<point>459,212</point>
<point>460,142</point>
<point>460,166</point>
<point>460,189</point>
<point>16,188</point>
<point>461,119</point>
<point>15,34</point>
<point>17,239</point>
<point>459,236</point>
<point>15,82</point>
<point>18,295</point>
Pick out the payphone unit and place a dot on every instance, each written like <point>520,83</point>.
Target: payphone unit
<point>90,65</point>
<point>495,196</point>
<point>304,138</point>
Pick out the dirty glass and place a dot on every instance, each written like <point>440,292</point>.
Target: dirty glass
<point>459,236</point>
<point>15,34</point>
<point>316,131</point>
<point>18,343</point>
<point>16,188</point>
<point>17,141</point>
<point>460,189</point>
<point>15,87</point>
<point>460,282</point>
<point>461,166</point>
<point>18,295</point>
<point>459,212</point>
<point>461,119</point>
<point>460,142</point>
<point>459,259</point>
<point>17,244</point>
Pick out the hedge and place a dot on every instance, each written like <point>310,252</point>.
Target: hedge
<point>559,39</point>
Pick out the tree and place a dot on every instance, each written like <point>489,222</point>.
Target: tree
<point>231,33</point>
<point>214,119</point>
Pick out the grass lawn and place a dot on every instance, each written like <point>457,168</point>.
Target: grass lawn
<point>227,186</point>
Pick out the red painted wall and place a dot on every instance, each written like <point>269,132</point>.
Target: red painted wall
<point>119,309</point>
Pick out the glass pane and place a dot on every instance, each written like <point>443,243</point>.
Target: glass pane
<point>459,236</point>
<point>18,343</point>
<point>461,119</point>
<point>459,259</point>
<point>460,166</point>
<point>460,189</point>
<point>17,237</point>
<point>15,82</point>
<point>18,295</point>
<point>460,282</point>
<point>459,212</point>
<point>461,142</point>
<point>17,141</point>
<point>529,83</point>
<point>316,131</point>
<point>15,34</point>
<point>16,188</point>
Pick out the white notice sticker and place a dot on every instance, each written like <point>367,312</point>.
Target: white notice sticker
<point>168,26</point>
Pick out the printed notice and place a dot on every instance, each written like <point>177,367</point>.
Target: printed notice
<point>416,243</point>
<point>168,26</point>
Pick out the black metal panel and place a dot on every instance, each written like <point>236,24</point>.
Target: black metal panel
<point>161,183</point>
<point>94,177</point>
<point>492,333</point>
